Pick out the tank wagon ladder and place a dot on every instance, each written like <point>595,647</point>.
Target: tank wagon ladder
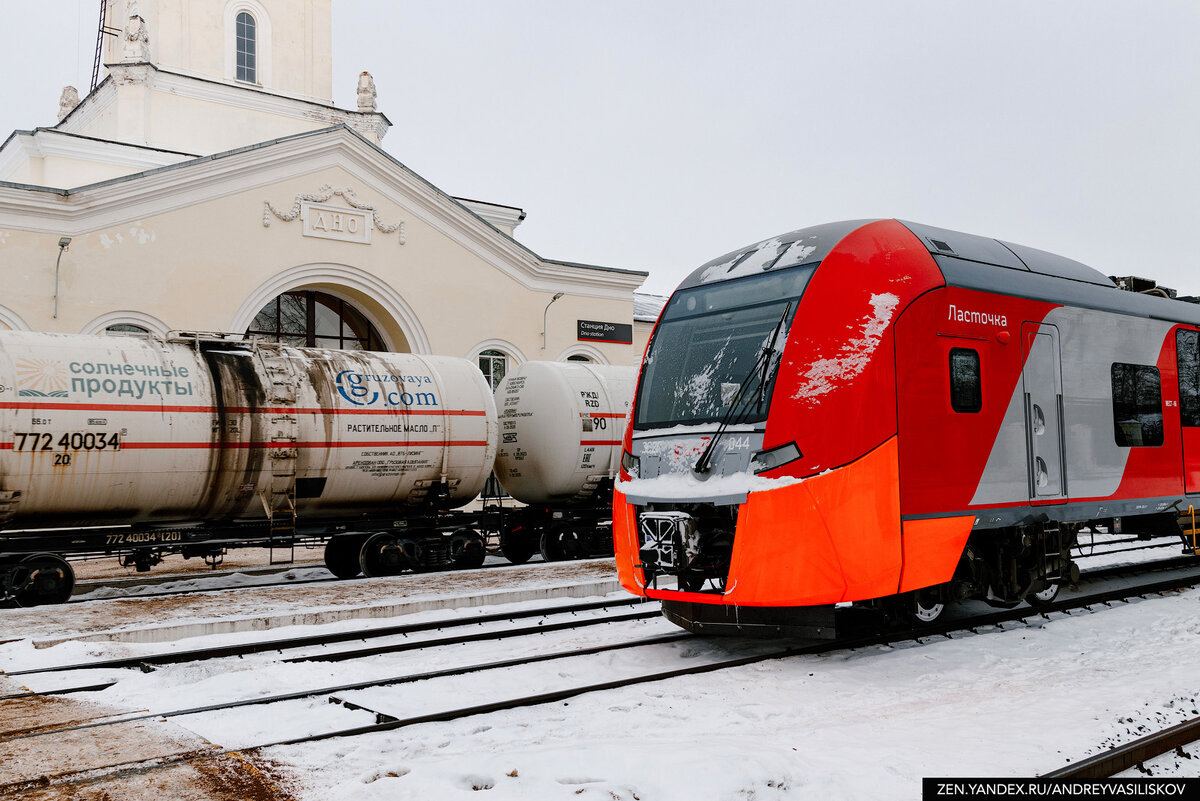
<point>279,499</point>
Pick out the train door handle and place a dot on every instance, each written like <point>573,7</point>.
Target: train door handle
<point>1039,420</point>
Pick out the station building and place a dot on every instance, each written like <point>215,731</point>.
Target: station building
<point>207,183</point>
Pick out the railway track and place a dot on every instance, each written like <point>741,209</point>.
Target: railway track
<point>175,657</point>
<point>133,585</point>
<point>384,721</point>
<point>1123,757</point>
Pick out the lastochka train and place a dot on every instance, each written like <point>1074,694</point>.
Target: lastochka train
<point>141,447</point>
<point>888,414</point>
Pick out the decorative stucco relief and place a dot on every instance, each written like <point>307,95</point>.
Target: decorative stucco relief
<point>323,194</point>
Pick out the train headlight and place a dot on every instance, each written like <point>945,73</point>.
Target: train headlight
<point>775,457</point>
<point>630,464</point>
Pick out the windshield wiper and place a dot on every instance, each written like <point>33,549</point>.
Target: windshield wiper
<point>768,350</point>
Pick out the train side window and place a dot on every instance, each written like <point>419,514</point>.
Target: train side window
<point>1187,355</point>
<point>966,391</point>
<point>1137,405</point>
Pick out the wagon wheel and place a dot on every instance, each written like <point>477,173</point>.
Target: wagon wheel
<point>467,549</point>
<point>385,554</point>
<point>550,544</point>
<point>571,545</point>
<point>517,545</point>
<point>341,556</point>
<point>1046,596</point>
<point>43,578</point>
<point>923,607</point>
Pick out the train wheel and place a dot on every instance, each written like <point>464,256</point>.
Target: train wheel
<point>467,549</point>
<point>341,556</point>
<point>550,545</point>
<point>1045,597</point>
<point>924,606</point>
<point>45,579</point>
<point>571,545</point>
<point>517,545</point>
<point>385,554</point>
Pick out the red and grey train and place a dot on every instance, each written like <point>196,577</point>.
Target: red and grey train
<point>887,413</point>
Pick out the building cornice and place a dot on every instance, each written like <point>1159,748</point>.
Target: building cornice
<point>233,95</point>
<point>47,142</point>
<point>495,213</point>
<point>168,188</point>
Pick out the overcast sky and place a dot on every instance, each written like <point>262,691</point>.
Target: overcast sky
<point>658,134</point>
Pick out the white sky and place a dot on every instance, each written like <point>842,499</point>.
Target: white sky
<point>659,135</point>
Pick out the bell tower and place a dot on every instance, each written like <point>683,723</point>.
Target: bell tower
<point>278,46</point>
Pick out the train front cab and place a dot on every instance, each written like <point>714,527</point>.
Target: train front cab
<point>799,509</point>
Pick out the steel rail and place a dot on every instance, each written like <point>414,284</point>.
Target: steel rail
<point>482,636</point>
<point>389,723</point>
<point>90,688</point>
<point>1122,757</point>
<point>151,581</point>
<point>243,649</point>
<point>367,684</point>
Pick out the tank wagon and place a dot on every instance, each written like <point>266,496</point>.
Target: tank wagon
<point>559,453</point>
<point>889,414</point>
<point>140,447</point>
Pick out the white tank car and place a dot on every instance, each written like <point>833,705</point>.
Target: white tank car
<point>561,425</point>
<point>99,430</point>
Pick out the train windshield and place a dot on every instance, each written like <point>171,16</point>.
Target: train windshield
<point>708,346</point>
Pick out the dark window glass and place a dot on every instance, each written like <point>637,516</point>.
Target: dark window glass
<point>578,358</point>
<point>1137,405</point>
<point>126,328</point>
<point>1187,354</point>
<point>966,393</point>
<point>246,48</point>
<point>708,345</point>
<point>314,320</point>
<point>494,365</point>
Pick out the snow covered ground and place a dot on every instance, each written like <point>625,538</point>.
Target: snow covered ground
<point>864,724</point>
<point>860,724</point>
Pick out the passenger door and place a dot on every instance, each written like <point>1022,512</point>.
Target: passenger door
<point>1187,359</point>
<point>1042,382</point>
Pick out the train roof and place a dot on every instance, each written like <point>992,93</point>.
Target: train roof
<point>966,260</point>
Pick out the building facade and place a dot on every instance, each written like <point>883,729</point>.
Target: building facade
<point>209,184</point>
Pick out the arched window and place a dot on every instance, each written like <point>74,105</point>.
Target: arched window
<point>494,365</point>
<point>247,48</point>
<point>578,357</point>
<point>122,329</point>
<point>314,320</point>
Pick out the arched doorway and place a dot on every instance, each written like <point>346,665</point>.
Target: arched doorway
<point>395,323</point>
<point>312,319</point>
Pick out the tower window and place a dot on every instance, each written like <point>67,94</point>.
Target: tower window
<point>247,58</point>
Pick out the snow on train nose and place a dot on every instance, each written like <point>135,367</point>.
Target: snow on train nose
<point>837,538</point>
